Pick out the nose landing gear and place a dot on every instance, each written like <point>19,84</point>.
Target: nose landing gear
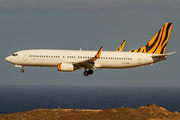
<point>22,70</point>
<point>89,72</point>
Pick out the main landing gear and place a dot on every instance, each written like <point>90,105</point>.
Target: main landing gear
<point>22,70</point>
<point>89,72</point>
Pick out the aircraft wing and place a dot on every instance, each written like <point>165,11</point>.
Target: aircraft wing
<point>88,63</point>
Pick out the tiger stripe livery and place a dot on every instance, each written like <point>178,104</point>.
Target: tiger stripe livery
<point>121,46</point>
<point>157,45</point>
<point>59,66</point>
<point>98,54</point>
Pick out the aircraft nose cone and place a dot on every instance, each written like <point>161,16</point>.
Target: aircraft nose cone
<point>8,59</point>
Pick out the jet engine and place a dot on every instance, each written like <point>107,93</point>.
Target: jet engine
<point>67,67</point>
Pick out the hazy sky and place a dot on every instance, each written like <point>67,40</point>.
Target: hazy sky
<point>75,24</point>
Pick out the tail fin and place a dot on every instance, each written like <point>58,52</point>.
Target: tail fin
<point>121,46</point>
<point>157,45</point>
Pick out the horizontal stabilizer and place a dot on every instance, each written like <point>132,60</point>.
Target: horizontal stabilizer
<point>162,55</point>
<point>170,53</point>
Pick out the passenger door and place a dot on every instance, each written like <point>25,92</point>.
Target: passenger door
<point>25,56</point>
<point>139,59</point>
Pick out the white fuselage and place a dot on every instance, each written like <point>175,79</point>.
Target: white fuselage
<point>108,59</point>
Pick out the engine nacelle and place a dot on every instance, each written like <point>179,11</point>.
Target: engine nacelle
<point>67,67</point>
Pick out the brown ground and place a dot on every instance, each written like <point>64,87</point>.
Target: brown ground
<point>148,112</point>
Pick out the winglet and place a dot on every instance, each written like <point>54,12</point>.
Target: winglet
<point>89,63</point>
<point>98,54</point>
<point>121,46</point>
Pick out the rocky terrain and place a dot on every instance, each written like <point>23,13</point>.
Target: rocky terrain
<point>148,112</point>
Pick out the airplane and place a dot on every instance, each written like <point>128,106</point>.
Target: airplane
<point>71,60</point>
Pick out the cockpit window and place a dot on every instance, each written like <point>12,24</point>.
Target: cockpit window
<point>14,54</point>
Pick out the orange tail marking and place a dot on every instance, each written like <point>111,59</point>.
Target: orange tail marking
<point>158,43</point>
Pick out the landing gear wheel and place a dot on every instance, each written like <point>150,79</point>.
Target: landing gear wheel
<point>90,71</point>
<point>22,70</point>
<point>86,73</point>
